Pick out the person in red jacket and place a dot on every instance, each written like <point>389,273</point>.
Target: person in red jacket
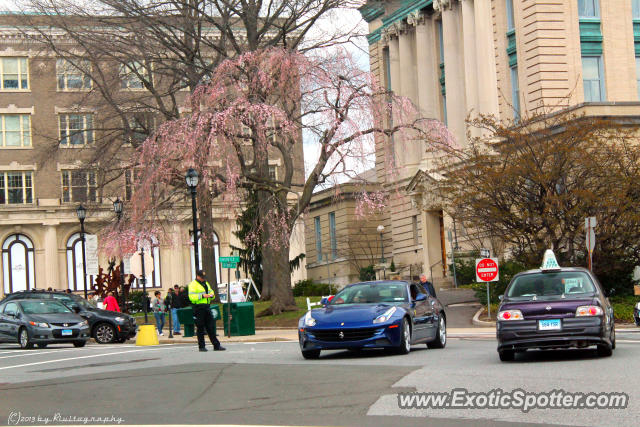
<point>110,303</point>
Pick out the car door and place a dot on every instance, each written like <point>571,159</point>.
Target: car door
<point>431,321</point>
<point>421,312</point>
<point>3,326</point>
<point>11,321</point>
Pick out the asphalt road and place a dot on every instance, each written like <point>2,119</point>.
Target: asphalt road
<point>270,383</point>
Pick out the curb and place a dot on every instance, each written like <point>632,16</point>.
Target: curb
<point>476,319</point>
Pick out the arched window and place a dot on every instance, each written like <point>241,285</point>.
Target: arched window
<point>74,263</point>
<point>216,251</point>
<point>18,263</point>
<point>153,279</point>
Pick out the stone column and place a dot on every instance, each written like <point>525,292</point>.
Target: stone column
<point>407,64</point>
<point>454,72</point>
<point>427,68</point>
<point>52,272</point>
<point>394,59</point>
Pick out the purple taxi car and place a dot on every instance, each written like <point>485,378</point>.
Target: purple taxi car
<point>554,307</point>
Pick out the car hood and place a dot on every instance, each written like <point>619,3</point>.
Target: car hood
<point>354,315</point>
<point>107,313</point>
<point>55,318</point>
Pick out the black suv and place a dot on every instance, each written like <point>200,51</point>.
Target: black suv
<point>106,326</point>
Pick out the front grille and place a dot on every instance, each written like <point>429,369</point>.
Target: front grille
<point>67,325</point>
<point>343,334</point>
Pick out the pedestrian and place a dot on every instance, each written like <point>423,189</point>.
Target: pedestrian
<point>93,299</point>
<point>158,311</point>
<point>184,297</point>
<point>49,289</point>
<point>172,302</point>
<point>68,291</point>
<point>427,285</point>
<point>200,295</point>
<point>111,303</point>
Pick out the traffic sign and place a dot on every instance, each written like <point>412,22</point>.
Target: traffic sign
<point>485,253</point>
<point>487,270</point>
<point>91,255</point>
<point>229,259</point>
<point>229,264</point>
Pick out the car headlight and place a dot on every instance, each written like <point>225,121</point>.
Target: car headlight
<point>638,306</point>
<point>85,322</point>
<point>308,320</point>
<point>121,319</point>
<point>384,317</point>
<point>39,324</point>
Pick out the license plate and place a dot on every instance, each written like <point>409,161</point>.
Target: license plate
<point>549,325</point>
<point>67,332</point>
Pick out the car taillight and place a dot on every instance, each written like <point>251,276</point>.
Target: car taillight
<point>510,315</point>
<point>589,310</point>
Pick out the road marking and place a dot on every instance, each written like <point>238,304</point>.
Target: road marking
<point>81,357</point>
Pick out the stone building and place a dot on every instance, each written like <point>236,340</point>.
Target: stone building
<point>455,58</point>
<point>47,135</point>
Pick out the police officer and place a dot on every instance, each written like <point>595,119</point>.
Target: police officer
<point>200,293</point>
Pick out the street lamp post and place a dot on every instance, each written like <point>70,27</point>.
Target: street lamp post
<point>192,183</point>
<point>382,260</point>
<point>82,214</point>
<point>117,208</point>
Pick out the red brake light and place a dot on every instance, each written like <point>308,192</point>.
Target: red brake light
<point>592,311</point>
<point>506,315</point>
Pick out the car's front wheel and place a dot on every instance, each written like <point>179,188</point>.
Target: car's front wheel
<point>23,338</point>
<point>441,335</point>
<point>405,338</point>
<point>104,333</point>
<point>310,354</point>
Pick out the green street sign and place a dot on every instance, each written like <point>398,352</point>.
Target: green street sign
<point>230,259</point>
<point>229,264</point>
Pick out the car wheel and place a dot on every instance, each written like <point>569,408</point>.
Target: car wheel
<point>604,350</point>
<point>104,333</point>
<point>506,355</point>
<point>405,342</point>
<point>310,354</point>
<point>441,335</point>
<point>42,345</point>
<point>79,343</point>
<point>23,338</point>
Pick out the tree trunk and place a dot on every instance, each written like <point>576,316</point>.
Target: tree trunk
<point>205,214</point>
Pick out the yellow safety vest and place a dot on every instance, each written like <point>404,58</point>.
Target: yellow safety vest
<point>196,292</point>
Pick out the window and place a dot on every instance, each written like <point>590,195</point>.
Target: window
<point>635,9</point>
<point>76,130</point>
<point>75,271</point>
<point>510,19</point>
<point>15,73</point>
<point>71,77</point>
<point>387,67</point>
<point>588,9</point>
<point>16,130</point>
<point>332,235</point>
<point>18,263</point>
<point>11,309</point>
<point>592,76</point>
<point>216,255</point>
<point>78,186</point>
<point>273,172</point>
<point>16,188</point>
<point>515,92</point>
<point>131,75</point>
<point>140,125</point>
<point>318,239</point>
<point>414,227</point>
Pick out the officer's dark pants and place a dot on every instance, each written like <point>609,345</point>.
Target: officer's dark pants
<point>205,320</point>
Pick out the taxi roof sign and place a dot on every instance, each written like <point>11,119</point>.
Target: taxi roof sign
<point>549,261</point>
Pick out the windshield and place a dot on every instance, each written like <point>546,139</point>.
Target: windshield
<point>568,283</point>
<point>70,301</point>
<point>43,307</point>
<point>372,293</point>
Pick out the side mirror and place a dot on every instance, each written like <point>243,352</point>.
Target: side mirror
<point>76,308</point>
<point>324,301</point>
<point>421,297</point>
<point>500,297</point>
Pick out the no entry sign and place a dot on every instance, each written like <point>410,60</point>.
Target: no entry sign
<point>487,270</point>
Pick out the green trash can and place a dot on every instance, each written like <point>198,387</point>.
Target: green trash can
<point>242,322</point>
<point>185,316</point>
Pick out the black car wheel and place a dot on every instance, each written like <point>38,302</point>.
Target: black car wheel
<point>441,335</point>
<point>43,345</point>
<point>405,342</point>
<point>23,338</point>
<point>506,355</point>
<point>310,354</point>
<point>104,333</point>
<point>79,343</point>
<point>604,350</point>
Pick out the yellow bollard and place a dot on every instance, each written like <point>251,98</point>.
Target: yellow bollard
<point>147,335</point>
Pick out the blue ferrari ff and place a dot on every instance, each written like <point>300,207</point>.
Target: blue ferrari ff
<point>382,314</point>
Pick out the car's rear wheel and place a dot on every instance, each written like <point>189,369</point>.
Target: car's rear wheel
<point>604,350</point>
<point>42,345</point>
<point>405,338</point>
<point>310,354</point>
<point>506,355</point>
<point>23,338</point>
<point>79,343</point>
<point>441,335</point>
<point>104,333</point>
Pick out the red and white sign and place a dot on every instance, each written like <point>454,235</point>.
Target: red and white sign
<point>487,270</point>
